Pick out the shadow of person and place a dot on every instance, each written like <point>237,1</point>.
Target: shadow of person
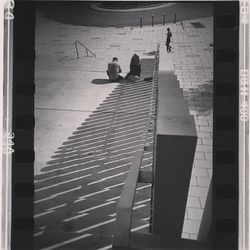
<point>101,81</point>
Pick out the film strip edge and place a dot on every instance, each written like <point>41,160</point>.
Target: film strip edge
<point>226,128</point>
<point>23,126</point>
<point>244,126</point>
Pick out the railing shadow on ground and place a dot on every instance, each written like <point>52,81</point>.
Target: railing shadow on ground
<point>135,176</point>
<point>77,191</point>
<point>101,81</point>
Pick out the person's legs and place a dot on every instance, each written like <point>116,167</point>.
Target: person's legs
<point>119,78</point>
<point>108,74</point>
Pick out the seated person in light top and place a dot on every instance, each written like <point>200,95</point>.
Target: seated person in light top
<point>135,69</point>
<point>114,69</point>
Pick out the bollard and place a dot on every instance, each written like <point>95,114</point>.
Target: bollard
<point>164,19</point>
<point>77,53</point>
<point>174,18</point>
<point>152,20</point>
<point>140,21</point>
<point>182,25</point>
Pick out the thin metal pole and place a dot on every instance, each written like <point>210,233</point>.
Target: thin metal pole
<point>87,53</point>
<point>164,19</point>
<point>174,17</point>
<point>77,50</point>
<point>140,21</point>
<point>152,20</point>
<point>182,25</point>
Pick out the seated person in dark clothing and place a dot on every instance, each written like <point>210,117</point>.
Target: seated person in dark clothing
<point>135,69</point>
<point>114,70</point>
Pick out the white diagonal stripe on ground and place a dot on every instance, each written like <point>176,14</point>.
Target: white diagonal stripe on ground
<point>105,248</point>
<point>75,217</point>
<point>90,194</point>
<point>43,213</point>
<point>114,198</point>
<point>139,227</point>
<point>121,159</point>
<point>115,185</point>
<point>95,226</point>
<point>55,207</point>
<point>96,207</point>
<point>66,242</point>
<point>139,206</point>
<point>62,183</point>
<point>61,175</point>
<point>57,194</point>
<point>109,169</point>
<point>107,178</point>
<point>143,201</point>
<point>38,234</point>
<point>143,187</point>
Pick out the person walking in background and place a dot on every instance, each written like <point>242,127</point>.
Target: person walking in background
<point>169,35</point>
<point>114,70</point>
<point>135,69</point>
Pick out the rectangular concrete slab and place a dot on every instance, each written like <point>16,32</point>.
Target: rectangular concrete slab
<point>169,125</point>
<point>172,106</point>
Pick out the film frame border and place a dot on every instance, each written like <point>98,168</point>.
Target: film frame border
<point>225,196</point>
<point>23,127</point>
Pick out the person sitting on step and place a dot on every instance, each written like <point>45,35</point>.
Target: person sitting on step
<point>114,70</point>
<point>135,69</point>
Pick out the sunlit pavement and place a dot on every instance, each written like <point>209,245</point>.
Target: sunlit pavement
<point>69,92</point>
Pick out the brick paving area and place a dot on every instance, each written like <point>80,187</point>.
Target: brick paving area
<point>192,61</point>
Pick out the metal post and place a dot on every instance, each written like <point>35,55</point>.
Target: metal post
<point>182,25</point>
<point>77,50</point>
<point>140,21</point>
<point>174,18</point>
<point>87,52</point>
<point>152,20</point>
<point>164,19</point>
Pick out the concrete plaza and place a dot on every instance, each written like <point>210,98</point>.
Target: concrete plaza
<point>71,93</point>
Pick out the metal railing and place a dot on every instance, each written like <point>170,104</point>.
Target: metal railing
<point>181,22</point>
<point>122,234</point>
<point>125,205</point>
<point>88,51</point>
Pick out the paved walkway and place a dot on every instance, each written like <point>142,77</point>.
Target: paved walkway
<point>71,90</point>
<point>192,62</point>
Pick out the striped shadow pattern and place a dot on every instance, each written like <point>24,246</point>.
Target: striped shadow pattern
<point>77,193</point>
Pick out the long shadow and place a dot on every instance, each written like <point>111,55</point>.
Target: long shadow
<point>80,13</point>
<point>77,191</point>
<point>101,81</point>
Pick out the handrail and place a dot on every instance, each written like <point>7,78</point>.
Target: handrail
<point>125,205</point>
<point>87,49</point>
<point>122,232</point>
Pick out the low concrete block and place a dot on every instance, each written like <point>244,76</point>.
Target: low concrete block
<point>176,140</point>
